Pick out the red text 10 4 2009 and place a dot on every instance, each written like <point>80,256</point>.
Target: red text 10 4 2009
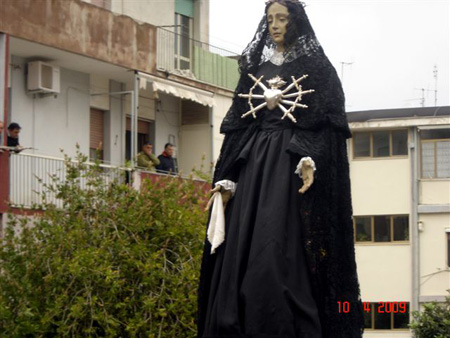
<point>380,307</point>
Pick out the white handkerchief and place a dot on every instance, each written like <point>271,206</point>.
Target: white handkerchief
<point>216,229</point>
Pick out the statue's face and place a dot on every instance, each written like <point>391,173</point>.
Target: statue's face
<point>277,19</point>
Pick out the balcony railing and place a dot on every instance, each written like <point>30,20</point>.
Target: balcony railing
<point>207,63</point>
<point>30,173</point>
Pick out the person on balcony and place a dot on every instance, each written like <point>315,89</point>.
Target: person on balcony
<point>146,159</point>
<point>167,164</point>
<point>13,137</point>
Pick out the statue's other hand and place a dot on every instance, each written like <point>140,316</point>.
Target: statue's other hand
<point>307,176</point>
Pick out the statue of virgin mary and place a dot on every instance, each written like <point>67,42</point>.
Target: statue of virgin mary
<point>279,256</point>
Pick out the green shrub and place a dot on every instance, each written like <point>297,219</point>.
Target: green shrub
<point>433,321</point>
<point>111,262</point>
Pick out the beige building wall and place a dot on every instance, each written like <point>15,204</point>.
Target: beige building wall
<point>381,186</point>
<point>434,191</point>
<point>99,84</point>
<point>201,27</point>
<point>223,103</point>
<point>384,272</point>
<point>162,13</point>
<point>434,273</point>
<point>195,143</point>
<point>388,334</point>
<point>157,13</point>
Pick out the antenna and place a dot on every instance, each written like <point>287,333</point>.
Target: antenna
<point>422,100</point>
<point>435,75</point>
<point>423,95</point>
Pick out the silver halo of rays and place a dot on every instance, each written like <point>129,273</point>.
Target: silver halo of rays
<point>274,97</point>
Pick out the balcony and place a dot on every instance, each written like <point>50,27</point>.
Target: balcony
<point>29,174</point>
<point>188,57</point>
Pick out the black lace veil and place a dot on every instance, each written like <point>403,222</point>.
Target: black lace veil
<point>303,55</point>
<point>300,39</point>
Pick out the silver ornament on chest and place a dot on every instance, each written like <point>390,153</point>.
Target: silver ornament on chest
<point>275,97</point>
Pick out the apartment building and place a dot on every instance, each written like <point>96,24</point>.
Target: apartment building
<point>400,176</point>
<point>109,76</point>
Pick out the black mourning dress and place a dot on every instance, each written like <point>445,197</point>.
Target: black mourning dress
<point>260,285</point>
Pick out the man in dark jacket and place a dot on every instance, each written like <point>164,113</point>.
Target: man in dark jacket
<point>167,162</point>
<point>13,137</point>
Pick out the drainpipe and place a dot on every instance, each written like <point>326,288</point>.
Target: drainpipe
<point>415,253</point>
<point>4,106</point>
<point>134,115</point>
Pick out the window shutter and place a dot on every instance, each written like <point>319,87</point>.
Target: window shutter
<point>97,129</point>
<point>185,7</point>
<point>143,126</point>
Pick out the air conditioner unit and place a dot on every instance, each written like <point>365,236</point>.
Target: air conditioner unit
<point>43,78</point>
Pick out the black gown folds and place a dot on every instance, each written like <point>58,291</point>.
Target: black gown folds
<point>260,284</point>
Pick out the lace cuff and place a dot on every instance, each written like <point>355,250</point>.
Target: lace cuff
<point>308,161</point>
<point>228,185</point>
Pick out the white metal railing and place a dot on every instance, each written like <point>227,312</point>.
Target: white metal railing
<point>29,173</point>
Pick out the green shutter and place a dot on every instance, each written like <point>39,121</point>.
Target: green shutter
<point>185,7</point>
<point>215,69</point>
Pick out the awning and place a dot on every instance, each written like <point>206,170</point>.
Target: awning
<point>182,91</point>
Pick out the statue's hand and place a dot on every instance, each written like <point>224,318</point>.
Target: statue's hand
<point>226,195</point>
<point>305,169</point>
<point>308,178</point>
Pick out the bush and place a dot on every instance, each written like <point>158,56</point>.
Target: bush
<point>433,321</point>
<point>111,262</point>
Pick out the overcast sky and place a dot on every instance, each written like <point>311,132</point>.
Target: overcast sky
<point>394,45</point>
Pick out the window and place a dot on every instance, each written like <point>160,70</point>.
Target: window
<point>435,153</point>
<point>374,229</point>
<point>399,142</point>
<point>183,41</point>
<point>382,228</point>
<point>380,143</point>
<point>361,145</point>
<point>386,315</point>
<point>96,134</point>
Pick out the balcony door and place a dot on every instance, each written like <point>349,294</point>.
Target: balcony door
<point>183,41</point>
<point>96,134</point>
<point>145,134</point>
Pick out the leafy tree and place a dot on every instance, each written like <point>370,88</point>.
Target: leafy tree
<point>433,321</point>
<point>106,260</point>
